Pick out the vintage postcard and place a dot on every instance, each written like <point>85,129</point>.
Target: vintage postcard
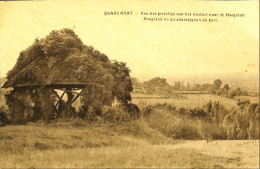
<point>129,84</point>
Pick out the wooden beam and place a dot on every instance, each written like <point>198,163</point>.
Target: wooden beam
<point>69,91</point>
<point>73,86</point>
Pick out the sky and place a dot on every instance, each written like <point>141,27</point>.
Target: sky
<point>150,49</point>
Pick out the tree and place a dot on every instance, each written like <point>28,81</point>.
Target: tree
<point>231,93</point>
<point>205,86</point>
<point>136,84</point>
<point>188,86</point>
<point>217,83</point>
<point>123,82</point>
<point>156,84</point>
<point>197,87</point>
<point>238,91</point>
<point>226,86</point>
<point>177,85</point>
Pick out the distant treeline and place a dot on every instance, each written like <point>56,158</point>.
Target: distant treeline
<point>159,85</point>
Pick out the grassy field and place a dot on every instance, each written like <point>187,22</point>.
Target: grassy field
<point>131,144</point>
<point>138,143</point>
<point>187,100</point>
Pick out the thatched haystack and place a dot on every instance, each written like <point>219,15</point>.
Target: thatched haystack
<point>62,61</point>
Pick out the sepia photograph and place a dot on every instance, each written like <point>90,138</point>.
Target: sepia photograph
<point>129,84</point>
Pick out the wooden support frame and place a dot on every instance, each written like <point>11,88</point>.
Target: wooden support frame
<point>75,98</point>
<point>65,104</point>
<point>60,99</point>
<point>74,91</point>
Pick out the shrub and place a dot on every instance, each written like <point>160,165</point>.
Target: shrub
<point>133,110</point>
<point>19,104</point>
<point>115,114</point>
<point>243,102</point>
<point>243,123</point>
<point>146,110</point>
<point>185,130</point>
<point>4,119</point>
<point>231,94</point>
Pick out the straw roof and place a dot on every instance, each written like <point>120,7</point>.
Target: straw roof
<point>59,59</point>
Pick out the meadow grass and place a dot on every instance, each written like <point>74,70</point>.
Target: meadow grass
<point>124,145</point>
<point>189,101</point>
<point>147,142</point>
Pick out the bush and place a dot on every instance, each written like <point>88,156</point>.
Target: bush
<point>18,103</point>
<point>170,123</point>
<point>146,110</point>
<point>212,131</point>
<point>30,105</point>
<point>231,94</point>
<point>243,102</point>
<point>185,130</point>
<point>115,114</point>
<point>133,110</point>
<point>212,121</point>
<point>243,123</point>
<point>4,119</point>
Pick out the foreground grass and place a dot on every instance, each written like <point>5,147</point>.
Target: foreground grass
<point>116,157</point>
<point>131,144</point>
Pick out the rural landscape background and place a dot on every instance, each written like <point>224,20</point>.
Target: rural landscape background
<point>170,132</point>
<point>120,121</point>
<point>80,89</point>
